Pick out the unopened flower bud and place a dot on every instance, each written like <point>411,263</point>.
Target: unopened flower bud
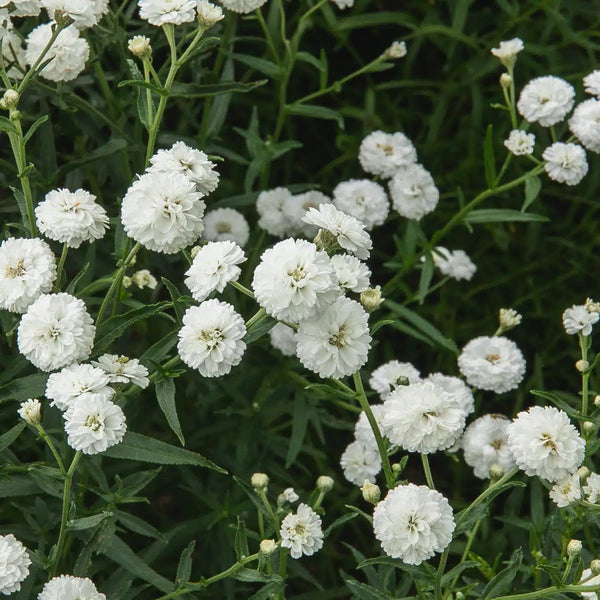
<point>505,80</point>
<point>268,547</point>
<point>574,548</point>
<point>582,365</point>
<point>395,51</point>
<point>30,411</point>
<point>539,556</point>
<point>326,241</point>
<point>259,481</point>
<point>139,45</point>
<point>371,492</point>
<point>459,596</point>
<point>10,100</point>
<point>595,567</point>
<point>324,484</point>
<point>588,427</point>
<point>127,282</point>
<point>194,251</point>
<point>508,318</point>
<point>597,400</point>
<point>496,472</point>
<point>396,468</point>
<point>371,299</point>
<point>208,13</point>
<point>583,473</point>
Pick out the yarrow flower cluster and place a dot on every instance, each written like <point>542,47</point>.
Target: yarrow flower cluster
<point>283,338</point>
<point>14,564</point>
<point>360,463</point>
<point>384,153</point>
<point>565,163</point>
<point>122,369</point>
<point>362,199</point>
<point>584,124</point>
<point>507,52</point>
<point>578,319</point>
<point>301,532</point>
<point>413,192</point>
<point>67,587</point>
<point>161,12</point>
<point>66,386</point>
<point>566,492</point>
<point>226,224</point>
<point>389,376</point>
<point>294,210</point>
<point>453,263</point>
<point>546,100</point>
<point>242,6</point>
<point>520,143</point>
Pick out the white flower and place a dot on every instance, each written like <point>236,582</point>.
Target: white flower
<point>362,199</point>
<point>283,338</point>
<point>455,264</point>
<point>592,83</point>
<point>509,318</point>
<point>159,12</point>
<point>144,279</point>
<point>13,55</point>
<point>242,6</point>
<point>422,417</point>
<point>30,411</point>
<point>211,338</point>
<point>546,100</point>
<point>591,489</point>
<point>71,383</point>
<point>578,319</point>
<point>139,45</point>
<point>289,495</point>
<point>27,270</point>
<point>351,274</point>
<point>492,363</point>
<point>269,205</point>
<point>294,209</point>
<point>507,52</point>
<point>413,192</point>
<point>71,217</point>
<point>362,429</point>
<point>69,52</point>
<point>565,163</point>
<point>100,8</point>
<point>342,4</point>
<point>360,463</point>
<point>294,280</point>
<point>396,50</point>
<point>14,564</point>
<point>456,387</point>
<point>56,331</point>
<point>545,443</point>
<point>121,369</point>
<point>586,574</point>
<point>301,532</point>
<point>413,522</point>
<point>81,11</point>
<point>209,13</point>
<point>67,587</point>
<point>390,375</point>
<point>24,8</point>
<point>584,124</point>
<point>192,163</point>
<point>335,343</point>
<point>94,424</point>
<point>384,153</point>
<point>566,492</point>
<point>485,444</point>
<point>349,233</point>
<point>214,266</point>
<point>520,143</point>
<point>163,212</point>
<point>224,224</point>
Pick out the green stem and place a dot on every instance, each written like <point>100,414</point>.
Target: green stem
<point>52,447</point>
<point>437,585</point>
<point>263,496</point>
<point>584,346</point>
<point>427,469</point>
<point>268,36</point>
<point>61,266</point>
<point>242,288</point>
<point>260,313</point>
<point>567,570</point>
<point>551,591</point>
<point>283,553</point>
<point>465,554</point>
<point>364,404</point>
<point>65,514</point>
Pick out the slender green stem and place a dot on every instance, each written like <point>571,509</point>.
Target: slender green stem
<point>551,591</point>
<point>584,346</point>
<point>283,553</point>
<point>268,36</point>
<point>465,554</point>
<point>149,108</point>
<point>437,585</point>
<point>503,169</point>
<point>318,500</point>
<point>260,313</point>
<point>263,496</point>
<point>242,288</point>
<point>364,403</point>
<point>61,266</point>
<point>52,447</point>
<point>567,570</point>
<point>311,10</point>
<point>427,469</point>
<point>65,514</point>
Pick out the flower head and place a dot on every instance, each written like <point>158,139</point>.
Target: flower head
<point>360,463</point>
<point>413,192</point>
<point>384,153</point>
<point>362,428</point>
<point>565,163</point>
<point>507,52</point>
<point>71,383</point>
<point>160,12</point>
<point>208,13</point>
<point>520,143</point>
<point>81,11</point>
<point>67,587</point>
<point>301,532</point>
<point>386,378</point>
<point>566,492</point>
<point>122,369</point>
<point>578,319</point>
<point>362,199</point>
<point>456,387</point>
<point>591,489</point>
<point>592,83</point>
<point>30,411</point>
<point>14,564</point>
<point>269,206</point>
<point>283,338</point>
<point>242,6</point>
<point>351,274</point>
<point>294,209</point>
<point>453,263</point>
<point>546,100</point>
<point>223,224</point>
<point>585,125</point>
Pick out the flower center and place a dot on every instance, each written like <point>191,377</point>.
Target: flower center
<point>496,444</point>
<point>93,422</point>
<point>211,337</point>
<point>386,149</point>
<point>297,274</point>
<point>341,338</point>
<point>223,227</point>
<point>17,271</point>
<point>548,442</point>
<point>300,529</point>
<point>492,358</point>
<point>413,523</point>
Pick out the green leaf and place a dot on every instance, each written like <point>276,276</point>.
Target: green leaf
<point>11,435</point>
<point>240,543</point>
<point>489,161</point>
<point>374,19</point>
<point>7,125</point>
<point>165,394</point>
<point>143,84</point>
<point>139,526</point>
<point>367,592</point>
<point>254,576</point>
<point>17,485</point>
<point>197,90</point>
<point>426,277</point>
<point>259,328</point>
<point>299,423</point>
<point>88,522</point>
<point>175,295</point>
<point>316,112</point>
<point>380,324</point>
<point>31,386</point>
<point>34,127</point>
<point>502,215</point>
<point>270,590</point>
<point>144,449</point>
<point>339,521</point>
<point>533,185</point>
<point>501,583</point>
<point>259,64</point>
<point>184,568</point>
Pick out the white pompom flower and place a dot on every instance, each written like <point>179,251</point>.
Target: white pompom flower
<point>14,564</point>
<point>546,100</point>
<point>351,274</point>
<point>242,6</point>
<point>591,489</point>
<point>30,411</point>
<point>163,212</point>
<point>56,331</point>
<point>294,280</point>
<point>584,124</point>
<point>492,363</point>
<point>336,343</point>
<point>224,224</point>
<point>93,424</point>
<point>27,270</point>
<point>390,375</point>
<point>384,153</point>
<point>591,83</point>
<point>214,266</point>
<point>161,12</point>
<point>71,383</point>
<point>566,492</point>
<point>520,143</point>
<point>67,56</point>
<point>24,8</point>
<point>457,387</point>
<point>67,587</point>
<point>209,13</point>
<point>81,11</point>
<point>301,532</point>
<point>364,200</point>
<point>578,319</point>
<point>185,160</point>
<point>413,522</point>
<point>507,51</point>
<point>455,264</point>
<point>294,209</point>
<point>422,417</point>
<point>122,369</point>
<point>544,442</point>
<point>413,191</point>
<point>360,463</point>
<point>565,163</point>
<point>485,444</point>
<point>211,339</point>
<point>71,217</point>
<point>269,206</point>
<point>349,233</point>
<point>283,338</point>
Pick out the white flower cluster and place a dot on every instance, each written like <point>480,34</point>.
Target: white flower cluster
<point>301,532</point>
<point>67,587</point>
<point>580,319</point>
<point>453,263</point>
<point>176,12</point>
<point>14,564</point>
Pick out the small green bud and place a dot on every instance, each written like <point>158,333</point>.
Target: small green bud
<point>259,481</point>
